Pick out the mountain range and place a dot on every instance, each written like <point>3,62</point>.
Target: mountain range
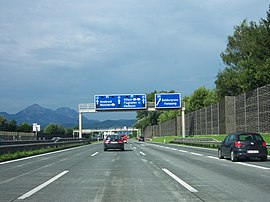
<point>65,116</point>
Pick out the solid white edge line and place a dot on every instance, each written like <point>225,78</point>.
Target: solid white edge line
<point>250,165</point>
<point>142,153</point>
<point>33,191</point>
<point>197,154</point>
<point>213,157</point>
<point>184,184</point>
<point>94,154</point>
<point>183,151</point>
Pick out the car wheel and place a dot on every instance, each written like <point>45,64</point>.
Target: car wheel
<point>233,158</point>
<point>219,155</point>
<point>105,149</point>
<point>264,158</point>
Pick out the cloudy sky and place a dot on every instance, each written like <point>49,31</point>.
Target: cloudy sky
<point>62,53</point>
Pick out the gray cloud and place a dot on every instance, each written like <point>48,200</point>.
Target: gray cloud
<point>62,53</point>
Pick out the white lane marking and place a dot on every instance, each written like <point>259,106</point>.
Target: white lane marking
<point>13,178</point>
<point>197,154</point>
<point>250,165</point>
<point>63,159</point>
<point>144,145</point>
<point>94,154</point>
<point>33,191</point>
<point>182,151</point>
<point>184,184</point>
<point>142,153</point>
<point>213,157</point>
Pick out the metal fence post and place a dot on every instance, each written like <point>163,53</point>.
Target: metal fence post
<point>183,122</point>
<point>258,111</point>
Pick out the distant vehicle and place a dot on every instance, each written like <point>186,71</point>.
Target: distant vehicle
<point>124,137</point>
<point>55,139</point>
<point>243,145</point>
<point>141,138</point>
<point>113,142</point>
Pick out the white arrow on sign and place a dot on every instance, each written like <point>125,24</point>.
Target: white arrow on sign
<point>159,99</point>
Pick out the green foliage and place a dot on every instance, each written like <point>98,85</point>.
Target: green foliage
<point>7,125</point>
<point>26,153</point>
<point>24,127</point>
<point>3,123</point>
<point>69,131</point>
<point>12,125</point>
<point>54,129</point>
<point>247,57</point>
<point>167,115</point>
<point>164,139</point>
<point>200,98</point>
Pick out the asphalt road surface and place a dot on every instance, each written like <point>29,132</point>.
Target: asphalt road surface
<point>143,172</point>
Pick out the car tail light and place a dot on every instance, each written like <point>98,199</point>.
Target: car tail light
<point>107,141</point>
<point>237,144</point>
<point>120,141</point>
<point>264,144</point>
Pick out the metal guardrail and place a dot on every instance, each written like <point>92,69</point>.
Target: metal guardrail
<point>15,146</point>
<point>205,142</point>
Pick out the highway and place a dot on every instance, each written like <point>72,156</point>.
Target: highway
<point>143,172</point>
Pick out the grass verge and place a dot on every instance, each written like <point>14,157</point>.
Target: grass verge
<point>26,153</point>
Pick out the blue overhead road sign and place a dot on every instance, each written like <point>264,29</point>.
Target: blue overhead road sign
<point>168,101</point>
<point>120,102</point>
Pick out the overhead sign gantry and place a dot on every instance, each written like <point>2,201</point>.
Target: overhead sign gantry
<point>129,102</point>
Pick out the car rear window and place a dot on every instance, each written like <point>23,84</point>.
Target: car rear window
<point>249,137</point>
<point>113,137</point>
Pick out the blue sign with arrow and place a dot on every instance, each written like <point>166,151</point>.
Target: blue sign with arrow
<point>120,102</point>
<point>168,101</point>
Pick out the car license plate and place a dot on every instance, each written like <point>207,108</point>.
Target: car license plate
<point>253,151</point>
<point>114,142</point>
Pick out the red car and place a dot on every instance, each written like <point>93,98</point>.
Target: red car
<point>124,137</point>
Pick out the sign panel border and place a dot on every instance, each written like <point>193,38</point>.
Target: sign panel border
<point>168,107</point>
<point>117,105</point>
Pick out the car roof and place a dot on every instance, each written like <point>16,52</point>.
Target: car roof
<point>245,133</point>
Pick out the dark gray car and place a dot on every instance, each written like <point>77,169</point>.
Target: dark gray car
<point>113,142</point>
<point>243,145</point>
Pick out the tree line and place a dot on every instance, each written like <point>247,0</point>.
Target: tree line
<point>247,60</point>
<point>50,129</point>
